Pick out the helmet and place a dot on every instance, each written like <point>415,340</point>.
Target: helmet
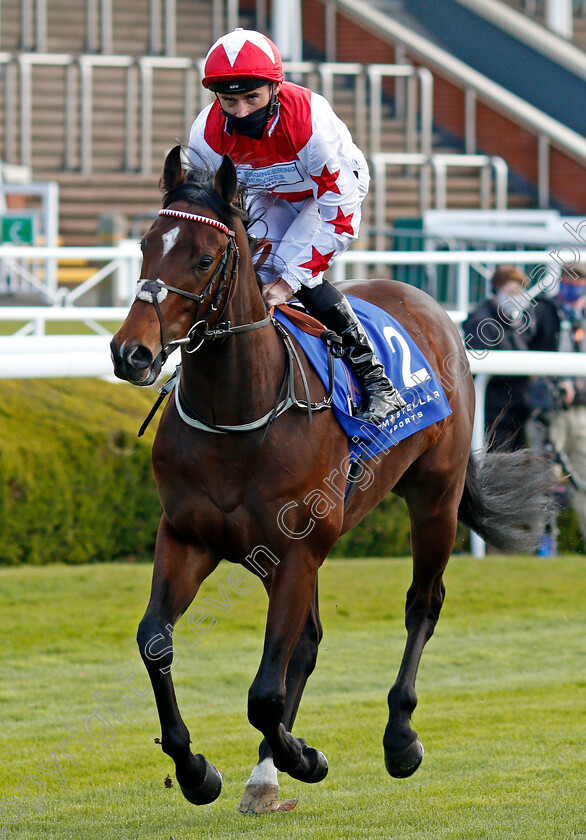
<point>241,61</point>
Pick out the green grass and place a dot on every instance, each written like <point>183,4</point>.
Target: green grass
<point>59,327</point>
<point>501,706</point>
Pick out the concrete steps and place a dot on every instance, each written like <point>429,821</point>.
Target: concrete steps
<point>84,200</point>
<point>67,27</point>
<point>111,188</point>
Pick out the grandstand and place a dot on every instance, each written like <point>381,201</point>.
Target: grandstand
<point>93,93</point>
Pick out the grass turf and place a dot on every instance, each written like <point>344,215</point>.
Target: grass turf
<point>59,327</point>
<point>501,707</point>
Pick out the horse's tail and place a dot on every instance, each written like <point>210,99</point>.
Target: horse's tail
<point>508,498</point>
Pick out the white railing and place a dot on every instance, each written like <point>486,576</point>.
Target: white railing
<point>25,62</point>
<point>148,65</point>
<point>465,262</point>
<point>88,64</point>
<point>89,357</point>
<point>162,16</point>
<point>406,104</point>
<point>513,228</point>
<point>123,262</point>
<point>36,318</point>
<point>98,26</point>
<point>163,29</point>
<point>225,16</point>
<point>99,30</point>
<point>134,138</point>
<point>82,356</point>
<point>80,75</point>
<point>523,29</point>
<point>9,93</point>
<point>540,8</point>
<point>547,131</point>
<point>38,357</point>
<point>33,24</point>
<point>493,175</point>
<point>42,278</point>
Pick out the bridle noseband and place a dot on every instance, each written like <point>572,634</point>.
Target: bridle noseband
<point>155,291</point>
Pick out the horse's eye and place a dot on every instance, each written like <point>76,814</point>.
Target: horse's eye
<point>205,262</point>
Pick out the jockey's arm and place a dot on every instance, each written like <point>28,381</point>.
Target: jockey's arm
<point>329,222</point>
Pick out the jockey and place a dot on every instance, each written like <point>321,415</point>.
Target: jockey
<point>298,162</point>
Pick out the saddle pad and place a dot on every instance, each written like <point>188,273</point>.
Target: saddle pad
<point>405,365</point>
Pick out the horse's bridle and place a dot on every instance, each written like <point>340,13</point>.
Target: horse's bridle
<point>155,291</point>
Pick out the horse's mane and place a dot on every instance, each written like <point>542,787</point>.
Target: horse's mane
<point>198,188</point>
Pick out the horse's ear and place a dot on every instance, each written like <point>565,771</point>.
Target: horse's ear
<point>226,181</point>
<point>173,172</point>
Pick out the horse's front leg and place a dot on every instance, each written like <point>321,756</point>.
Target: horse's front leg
<point>261,795</point>
<point>292,591</point>
<point>178,573</point>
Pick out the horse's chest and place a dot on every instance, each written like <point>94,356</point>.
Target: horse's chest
<point>230,494</point>
<point>217,509</point>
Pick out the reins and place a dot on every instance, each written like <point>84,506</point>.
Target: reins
<point>155,291</point>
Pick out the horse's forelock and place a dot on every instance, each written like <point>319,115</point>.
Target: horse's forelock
<point>198,188</point>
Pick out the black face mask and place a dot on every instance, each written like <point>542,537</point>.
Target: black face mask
<point>252,125</point>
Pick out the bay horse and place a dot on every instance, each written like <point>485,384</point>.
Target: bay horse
<point>227,457</point>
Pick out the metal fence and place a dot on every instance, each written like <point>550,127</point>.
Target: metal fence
<point>411,103</point>
<point>119,266</point>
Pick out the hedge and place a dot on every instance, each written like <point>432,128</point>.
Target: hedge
<point>76,482</point>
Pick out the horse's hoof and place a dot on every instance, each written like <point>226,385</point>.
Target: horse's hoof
<point>320,768</point>
<point>208,790</point>
<point>312,768</point>
<point>403,763</point>
<point>263,799</point>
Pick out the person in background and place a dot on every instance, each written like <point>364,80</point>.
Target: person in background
<point>560,325</point>
<point>297,160</point>
<point>500,323</point>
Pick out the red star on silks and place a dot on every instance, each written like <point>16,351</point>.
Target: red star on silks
<point>318,262</point>
<point>326,182</point>
<point>342,223</point>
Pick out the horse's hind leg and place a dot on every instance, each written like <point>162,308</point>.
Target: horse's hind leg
<point>261,794</point>
<point>433,505</point>
<point>178,573</point>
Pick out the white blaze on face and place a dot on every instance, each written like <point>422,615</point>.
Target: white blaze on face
<point>169,239</point>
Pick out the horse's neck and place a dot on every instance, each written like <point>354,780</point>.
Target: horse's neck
<point>236,380</point>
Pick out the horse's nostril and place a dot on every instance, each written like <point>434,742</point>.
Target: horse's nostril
<point>138,357</point>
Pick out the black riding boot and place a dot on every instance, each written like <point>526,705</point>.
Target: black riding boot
<point>380,398</point>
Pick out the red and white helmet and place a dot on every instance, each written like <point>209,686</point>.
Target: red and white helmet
<point>239,59</point>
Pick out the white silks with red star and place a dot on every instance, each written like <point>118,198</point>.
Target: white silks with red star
<point>305,173</point>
